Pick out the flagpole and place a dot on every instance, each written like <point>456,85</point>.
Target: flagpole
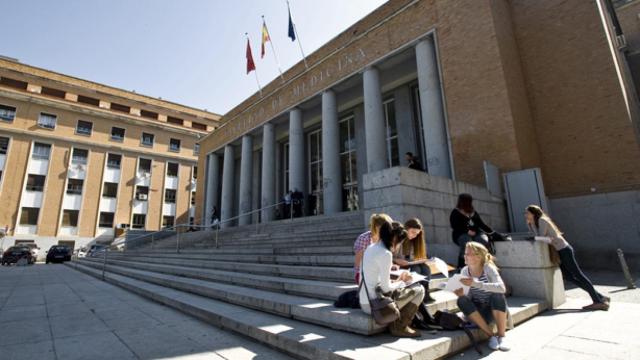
<point>295,30</point>
<point>264,23</point>
<point>255,70</point>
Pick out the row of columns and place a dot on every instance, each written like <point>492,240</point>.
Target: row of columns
<point>435,135</point>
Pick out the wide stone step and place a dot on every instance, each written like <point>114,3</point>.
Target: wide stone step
<point>263,250</point>
<point>304,340</point>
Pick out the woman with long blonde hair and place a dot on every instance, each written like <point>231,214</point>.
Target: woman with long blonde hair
<point>413,249</point>
<point>547,231</point>
<point>485,301</point>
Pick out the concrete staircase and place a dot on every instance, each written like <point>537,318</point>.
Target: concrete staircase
<point>278,288</point>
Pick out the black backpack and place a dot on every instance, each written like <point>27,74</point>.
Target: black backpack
<point>449,321</point>
<point>349,299</point>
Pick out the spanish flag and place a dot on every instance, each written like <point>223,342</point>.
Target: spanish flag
<point>265,38</point>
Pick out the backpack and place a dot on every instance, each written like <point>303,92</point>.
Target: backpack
<point>349,299</point>
<point>449,321</point>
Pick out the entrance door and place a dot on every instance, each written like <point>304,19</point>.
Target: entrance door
<point>314,139</point>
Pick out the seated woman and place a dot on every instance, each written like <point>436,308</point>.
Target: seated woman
<point>376,264</point>
<point>485,301</point>
<point>467,225</point>
<point>366,239</point>
<point>414,248</point>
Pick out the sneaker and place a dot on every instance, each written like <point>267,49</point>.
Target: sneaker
<point>494,344</point>
<point>606,299</point>
<point>504,344</point>
<point>596,306</point>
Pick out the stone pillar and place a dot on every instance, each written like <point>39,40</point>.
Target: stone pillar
<point>268,171</point>
<point>434,124</point>
<point>246,174</point>
<point>375,127</point>
<point>212,184</point>
<point>331,179</point>
<point>228,171</point>
<point>296,151</point>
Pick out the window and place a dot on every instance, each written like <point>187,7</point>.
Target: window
<point>149,114</point>
<point>196,149</point>
<point>7,113</point>
<point>193,198</point>
<point>17,84</point>
<point>113,161</point>
<point>348,164</point>
<point>70,218</point>
<point>117,134</point>
<point>84,127</point>
<point>74,186</point>
<point>167,221</point>
<point>106,220</point>
<point>199,126</point>
<point>41,151</point>
<point>174,145</point>
<point>53,92</point>
<point>172,169</point>
<point>393,156</point>
<point>4,145</point>
<point>138,221</point>
<point>169,196</point>
<point>79,156</point>
<point>35,182</point>
<point>175,120</point>
<point>121,108</point>
<point>195,172</point>
<point>147,139</point>
<point>142,193</point>
<point>47,121</point>
<point>110,190</point>
<point>29,216</point>
<point>88,100</point>
<point>144,166</point>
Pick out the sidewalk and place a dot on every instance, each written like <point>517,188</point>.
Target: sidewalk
<point>570,333</point>
<point>55,312</point>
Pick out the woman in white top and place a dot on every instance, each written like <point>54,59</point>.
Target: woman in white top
<point>375,272</point>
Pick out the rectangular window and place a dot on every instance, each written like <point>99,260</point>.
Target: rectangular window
<point>144,166</point>
<point>88,100</point>
<point>74,186</point>
<point>47,121</point>
<point>106,220</point>
<point>149,114</point>
<point>53,92</point>
<point>110,190</point>
<point>392,134</point>
<point>175,120</point>
<point>113,161</point>
<point>142,193</point>
<point>167,221</point>
<point>7,113</point>
<point>147,139</point>
<point>199,126</point>
<point>195,172</point>
<point>172,169</point>
<point>84,127</point>
<point>70,218</point>
<point>29,216</point>
<point>169,196</point>
<point>196,149</point>
<point>16,84</point>
<point>35,182</point>
<point>121,108</point>
<point>174,145</point>
<point>41,151</point>
<point>138,221</point>
<point>4,145</point>
<point>117,134</point>
<point>193,198</point>
<point>79,156</point>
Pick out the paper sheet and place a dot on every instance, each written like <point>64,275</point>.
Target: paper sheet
<point>455,284</point>
<point>415,277</point>
<point>440,265</point>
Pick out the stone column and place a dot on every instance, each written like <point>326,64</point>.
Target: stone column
<point>212,184</point>
<point>331,179</point>
<point>436,141</point>
<point>228,171</point>
<point>296,151</point>
<point>375,126</point>
<point>268,171</point>
<point>246,174</point>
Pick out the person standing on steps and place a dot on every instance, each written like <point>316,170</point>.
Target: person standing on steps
<point>376,265</point>
<point>367,238</point>
<point>215,221</point>
<point>486,300</point>
<point>467,225</point>
<point>546,231</point>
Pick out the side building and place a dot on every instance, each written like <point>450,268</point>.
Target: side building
<point>79,160</point>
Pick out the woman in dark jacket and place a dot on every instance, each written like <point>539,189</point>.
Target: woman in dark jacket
<point>467,225</point>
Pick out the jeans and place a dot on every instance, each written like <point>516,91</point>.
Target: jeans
<point>496,302</point>
<point>462,243</point>
<point>571,271</point>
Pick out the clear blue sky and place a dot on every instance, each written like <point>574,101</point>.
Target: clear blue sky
<point>190,51</point>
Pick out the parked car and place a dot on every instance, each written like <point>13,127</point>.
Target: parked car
<point>15,253</point>
<point>58,253</point>
<point>96,249</point>
<point>34,250</point>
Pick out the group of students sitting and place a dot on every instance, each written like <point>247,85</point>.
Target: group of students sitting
<point>390,245</point>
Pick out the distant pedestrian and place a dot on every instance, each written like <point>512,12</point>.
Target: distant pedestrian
<point>215,220</point>
<point>413,162</point>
